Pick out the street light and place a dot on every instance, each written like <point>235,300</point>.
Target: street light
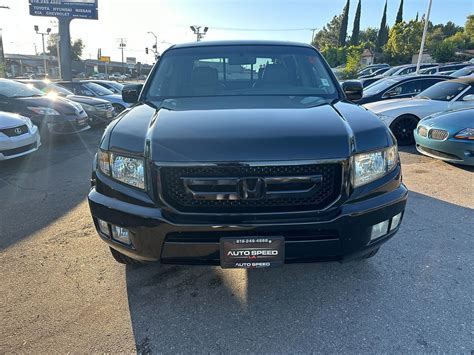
<point>198,33</point>
<point>47,33</point>
<point>155,46</point>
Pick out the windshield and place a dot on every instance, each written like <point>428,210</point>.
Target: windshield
<point>379,86</point>
<point>16,89</point>
<point>391,71</point>
<point>241,71</point>
<point>57,89</point>
<point>445,91</point>
<point>97,89</point>
<point>463,72</point>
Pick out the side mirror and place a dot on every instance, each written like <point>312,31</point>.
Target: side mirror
<point>353,89</point>
<point>130,93</point>
<point>391,93</point>
<point>469,98</point>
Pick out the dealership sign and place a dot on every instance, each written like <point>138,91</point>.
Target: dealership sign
<point>83,9</point>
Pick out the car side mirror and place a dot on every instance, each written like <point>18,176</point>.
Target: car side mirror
<point>131,93</point>
<point>391,93</point>
<point>469,98</point>
<point>353,89</point>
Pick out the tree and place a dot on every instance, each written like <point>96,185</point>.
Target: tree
<point>329,36</point>
<point>369,35</point>
<point>343,29</point>
<point>416,18</point>
<point>383,29</point>
<point>353,56</point>
<point>77,46</point>
<point>404,41</point>
<point>444,51</point>
<point>469,28</point>
<point>400,13</point>
<point>356,27</point>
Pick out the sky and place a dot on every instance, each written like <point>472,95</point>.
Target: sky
<point>227,19</point>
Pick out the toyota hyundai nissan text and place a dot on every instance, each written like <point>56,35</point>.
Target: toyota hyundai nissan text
<point>245,154</point>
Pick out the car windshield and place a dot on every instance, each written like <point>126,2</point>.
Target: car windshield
<point>97,89</point>
<point>391,71</point>
<point>16,89</point>
<point>445,91</point>
<point>58,89</point>
<point>379,86</point>
<point>463,72</point>
<point>252,70</point>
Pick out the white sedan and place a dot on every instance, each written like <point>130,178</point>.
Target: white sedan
<point>402,115</point>
<point>18,136</point>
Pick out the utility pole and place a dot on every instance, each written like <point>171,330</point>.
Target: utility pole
<point>122,46</point>
<point>3,67</point>
<point>47,33</point>
<point>312,35</point>
<point>155,46</point>
<point>423,38</point>
<point>198,33</point>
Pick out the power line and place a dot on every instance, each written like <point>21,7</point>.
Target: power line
<point>261,29</point>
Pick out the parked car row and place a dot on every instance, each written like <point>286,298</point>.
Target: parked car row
<point>33,108</point>
<point>402,114</point>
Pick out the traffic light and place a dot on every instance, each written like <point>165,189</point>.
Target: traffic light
<point>146,50</point>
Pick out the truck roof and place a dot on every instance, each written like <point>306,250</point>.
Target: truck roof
<point>240,43</point>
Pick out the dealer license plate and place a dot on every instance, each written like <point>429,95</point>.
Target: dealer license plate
<point>252,252</point>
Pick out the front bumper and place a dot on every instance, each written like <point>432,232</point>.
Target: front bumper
<point>14,147</point>
<point>104,116</point>
<point>63,124</point>
<point>450,150</point>
<point>343,235</point>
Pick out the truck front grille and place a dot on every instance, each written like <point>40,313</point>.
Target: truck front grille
<point>250,189</point>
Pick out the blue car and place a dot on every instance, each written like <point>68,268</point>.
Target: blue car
<point>448,136</point>
<point>85,88</point>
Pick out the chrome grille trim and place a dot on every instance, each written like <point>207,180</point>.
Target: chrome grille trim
<point>438,134</point>
<point>338,182</point>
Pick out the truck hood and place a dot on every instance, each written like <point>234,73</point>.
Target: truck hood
<point>231,131</point>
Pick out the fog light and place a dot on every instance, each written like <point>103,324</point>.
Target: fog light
<point>379,230</point>
<point>121,235</point>
<point>396,221</point>
<point>103,227</point>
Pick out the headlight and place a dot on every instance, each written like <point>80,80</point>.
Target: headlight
<point>28,122</point>
<point>44,111</point>
<point>367,167</point>
<point>88,107</point>
<point>125,169</point>
<point>466,133</point>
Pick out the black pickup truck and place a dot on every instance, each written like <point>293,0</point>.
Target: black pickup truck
<point>245,154</point>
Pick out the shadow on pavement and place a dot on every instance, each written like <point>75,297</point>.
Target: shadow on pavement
<point>39,188</point>
<point>413,296</point>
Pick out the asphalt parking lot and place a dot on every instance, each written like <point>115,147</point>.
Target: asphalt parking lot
<point>62,291</point>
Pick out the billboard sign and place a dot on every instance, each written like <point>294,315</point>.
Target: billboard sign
<point>105,58</point>
<point>83,9</point>
<point>131,60</point>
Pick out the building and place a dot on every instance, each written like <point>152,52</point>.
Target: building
<point>21,65</point>
<point>367,57</point>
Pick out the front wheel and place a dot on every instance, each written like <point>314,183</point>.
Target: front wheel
<point>403,128</point>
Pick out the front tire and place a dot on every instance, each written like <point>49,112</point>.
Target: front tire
<point>403,128</point>
<point>122,258</point>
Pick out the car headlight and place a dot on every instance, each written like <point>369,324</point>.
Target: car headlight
<point>122,168</point>
<point>367,167</point>
<point>466,133</point>
<point>44,111</point>
<point>88,107</point>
